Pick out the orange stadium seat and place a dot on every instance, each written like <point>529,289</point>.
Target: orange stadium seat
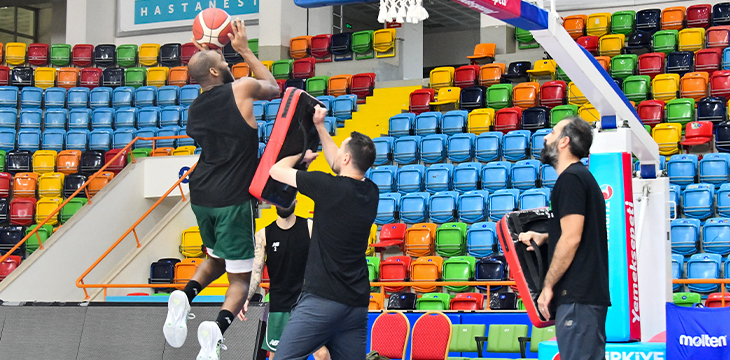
<point>67,161</point>
<point>299,47</point>
<point>419,239</point>
<point>339,85</point>
<point>718,37</point>
<point>482,52</point>
<point>67,77</point>
<point>178,76</point>
<point>25,184</point>
<point>162,151</point>
<point>526,95</point>
<point>426,268</point>
<point>99,182</point>
<point>491,74</point>
<point>376,302</point>
<point>185,269</point>
<point>694,85</point>
<point>239,70</point>
<point>575,25</point>
<point>673,18</point>
<point>605,62</point>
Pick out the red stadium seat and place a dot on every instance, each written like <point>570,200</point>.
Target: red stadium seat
<point>698,16</point>
<point>7,266</point>
<point>467,301</point>
<point>466,76</point>
<point>590,43</point>
<point>508,119</point>
<point>38,54</point>
<point>90,77</point>
<point>697,133</point>
<point>714,300</point>
<point>720,84</point>
<point>708,60</point>
<point>119,164</point>
<point>718,37</point>
<point>4,75</point>
<point>395,268</point>
<point>303,68</point>
<point>390,334</point>
<point>391,235</point>
<point>362,85</point>
<point>187,51</point>
<point>651,112</point>
<point>651,64</point>
<point>320,48</point>
<point>282,87</point>
<point>22,211</point>
<point>5,181</point>
<point>553,93</point>
<point>82,55</point>
<point>420,100</point>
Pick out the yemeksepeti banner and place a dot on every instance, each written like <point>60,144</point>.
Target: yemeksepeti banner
<point>697,333</point>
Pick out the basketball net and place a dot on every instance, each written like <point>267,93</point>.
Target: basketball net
<point>400,11</point>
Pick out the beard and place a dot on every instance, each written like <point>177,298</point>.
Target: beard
<point>549,154</point>
<point>227,75</point>
<point>285,213</point>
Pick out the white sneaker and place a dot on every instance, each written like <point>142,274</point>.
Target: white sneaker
<point>176,324</point>
<point>210,339</point>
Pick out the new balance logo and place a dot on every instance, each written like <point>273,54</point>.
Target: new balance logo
<point>703,340</point>
<point>275,246</point>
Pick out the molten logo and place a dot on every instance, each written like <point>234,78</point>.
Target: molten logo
<point>703,340</point>
<point>607,192</point>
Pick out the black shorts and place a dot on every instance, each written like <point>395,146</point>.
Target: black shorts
<point>581,331</point>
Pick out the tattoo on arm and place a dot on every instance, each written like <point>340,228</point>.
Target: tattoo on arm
<point>258,262</point>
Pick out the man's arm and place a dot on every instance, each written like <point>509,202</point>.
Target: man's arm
<point>328,145</point>
<point>259,259</point>
<point>539,238</point>
<point>283,171</point>
<point>264,86</point>
<point>572,229</point>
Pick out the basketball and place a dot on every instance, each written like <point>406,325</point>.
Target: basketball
<point>212,27</point>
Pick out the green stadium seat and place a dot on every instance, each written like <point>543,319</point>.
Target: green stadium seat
<point>623,66</point>
<point>373,269</point>
<point>281,69</point>
<point>253,44</point>
<point>127,55</point>
<point>525,40</point>
<point>637,87</point>
<point>505,338</point>
<point>60,55</point>
<point>681,111</point>
<point>44,233</point>
<point>537,336</point>
<point>561,112</point>
<point>451,239</point>
<point>561,75</point>
<point>463,338</point>
<point>362,45</point>
<point>665,41</point>
<point>71,208</point>
<point>459,268</point>
<point>138,153</point>
<point>135,77</point>
<point>520,304</point>
<point>433,302</point>
<point>623,22</point>
<point>499,96</point>
<point>2,160</point>
<point>686,299</point>
<point>317,86</point>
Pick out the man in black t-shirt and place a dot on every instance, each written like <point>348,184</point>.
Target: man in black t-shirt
<point>577,280</point>
<point>332,309</point>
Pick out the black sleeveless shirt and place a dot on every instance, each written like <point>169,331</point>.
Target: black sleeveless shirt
<point>286,258</point>
<point>230,149</point>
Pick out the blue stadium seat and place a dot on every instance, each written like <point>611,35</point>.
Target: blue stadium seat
<point>56,118</point>
<point>454,122</point>
<point>168,96</point>
<point>525,174</point>
<point>488,146</point>
<point>8,117</point>
<point>502,202</point>
<point>723,201</point>
<point>414,207</point>
<point>383,150</point>
<point>428,123</point>
<point>145,132</point>
<point>442,206</point>
<point>31,97</point>
<point>726,59</point>
<point>268,128</point>
<point>473,206</point>
<point>677,270</point>
<point>77,97</point>
<point>188,93</point>
<point>662,164</point>
<point>516,145</point>
<point>712,108</point>
<point>125,117</point>
<point>7,139</point>
<point>439,177</point>
<point>53,139</point>
<point>548,175</point>
<point>344,106</point>
<point>535,198</point>
<point>79,118</point>
<point>698,201</point>
<point>536,118</point>
<point>102,118</point>
<point>29,139</point>
<point>716,236</point>
<point>675,194</point>
<point>188,141</point>
<point>148,117</point>
<point>714,169</point>
<point>481,239</point>
<point>685,236</point>
<point>272,109</point>
<point>100,139</point>
<point>262,148</point>
<point>410,178</point>
<point>145,96</point>
<point>388,208</point>
<point>330,123</point>
<point>123,136</point>
<point>30,118</point>
<point>198,150</point>
<point>401,125</point>
<point>461,147</point>
<point>8,96</point>
<point>261,125</point>
<point>100,97</point>
<point>384,177</point>
<point>682,169</point>
<point>123,96</point>
<point>704,266</point>
<point>259,109</point>
<point>184,116</point>
<point>77,139</point>
<point>170,116</point>
<point>54,97</point>
<point>406,149</point>
<point>171,130</point>
<point>467,176</point>
<point>433,148</point>
<point>584,161</point>
<point>496,175</point>
<point>328,101</point>
<point>538,142</point>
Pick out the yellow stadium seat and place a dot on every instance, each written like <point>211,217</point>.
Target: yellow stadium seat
<point>44,207</point>
<point>673,18</point>
<point>692,39</point>
<point>543,68</point>
<point>575,96</point>
<point>376,301</point>
<point>15,53</point>
<point>575,25</point>
<point>667,136</point>
<point>157,76</point>
<point>491,74</point>
<point>447,95</point>
<point>384,43</point>
<point>148,54</point>
<point>191,245</point>
<point>50,185</point>
<point>665,86</point>
<point>44,161</point>
<point>526,95</point>
<point>98,183</point>
<point>240,70</point>
<point>589,113</point>
<point>184,150</point>
<point>611,45</point>
<point>420,239</point>
<point>441,77</point>
<point>268,64</point>
<point>426,268</point>
<point>45,77</point>
<point>598,24</point>
<point>372,239</point>
<point>694,85</point>
<point>339,85</point>
<point>480,120</point>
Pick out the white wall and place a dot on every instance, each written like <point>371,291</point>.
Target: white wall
<point>449,48</point>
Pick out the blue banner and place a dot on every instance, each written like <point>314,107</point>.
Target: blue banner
<point>156,11</point>
<point>697,333</point>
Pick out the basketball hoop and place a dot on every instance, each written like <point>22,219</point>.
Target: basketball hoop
<point>400,11</point>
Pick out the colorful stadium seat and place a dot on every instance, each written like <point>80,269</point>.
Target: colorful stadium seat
<point>575,25</point>
<point>699,15</point>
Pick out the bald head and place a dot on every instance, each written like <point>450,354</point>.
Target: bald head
<point>209,67</point>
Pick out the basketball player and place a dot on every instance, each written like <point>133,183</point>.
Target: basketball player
<point>577,279</point>
<point>221,120</point>
<point>332,309</point>
<point>284,245</point>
